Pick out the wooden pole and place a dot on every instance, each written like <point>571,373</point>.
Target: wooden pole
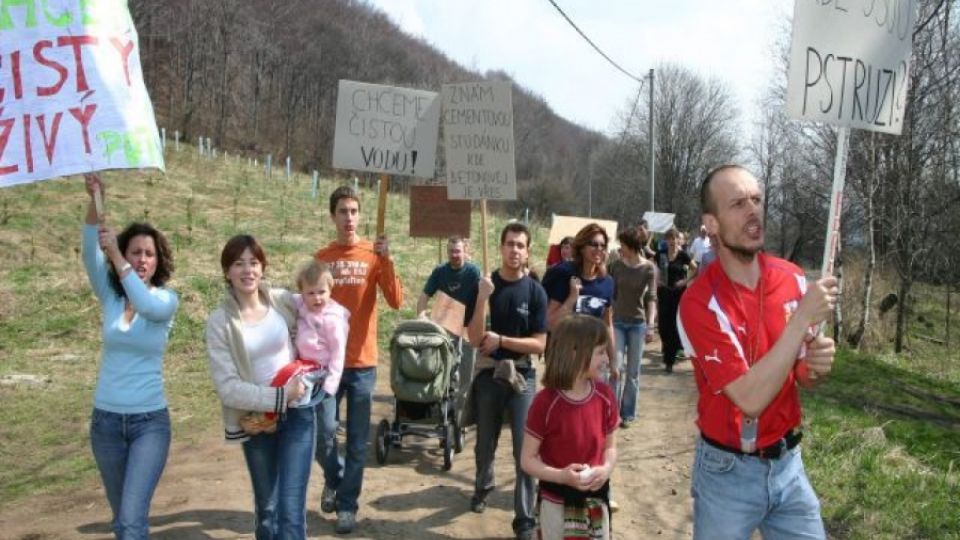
<point>483,235</point>
<point>382,203</point>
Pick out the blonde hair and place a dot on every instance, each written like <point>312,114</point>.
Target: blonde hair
<point>313,273</point>
<point>571,349</point>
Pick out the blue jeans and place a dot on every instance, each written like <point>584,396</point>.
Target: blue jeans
<point>629,338</point>
<point>279,465</point>
<point>130,451</point>
<point>346,475</point>
<point>492,399</point>
<point>733,495</point>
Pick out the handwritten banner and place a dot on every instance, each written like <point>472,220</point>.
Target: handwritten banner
<point>850,62</point>
<point>386,129</point>
<point>72,97</point>
<point>478,140</point>
<point>432,215</point>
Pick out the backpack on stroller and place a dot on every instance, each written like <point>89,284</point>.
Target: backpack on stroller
<point>423,366</point>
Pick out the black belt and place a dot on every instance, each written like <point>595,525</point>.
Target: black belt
<point>774,451</point>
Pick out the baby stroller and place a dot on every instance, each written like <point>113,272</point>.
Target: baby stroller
<point>423,366</point>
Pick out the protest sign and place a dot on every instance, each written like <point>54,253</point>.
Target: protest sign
<point>386,129</point>
<point>569,226</point>
<point>72,97</point>
<point>658,222</point>
<point>478,140</point>
<point>850,62</point>
<point>448,313</point>
<point>432,215</point>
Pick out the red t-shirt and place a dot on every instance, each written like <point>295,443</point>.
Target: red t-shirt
<point>724,326</point>
<point>572,431</point>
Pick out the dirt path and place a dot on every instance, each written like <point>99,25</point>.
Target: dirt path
<point>205,491</point>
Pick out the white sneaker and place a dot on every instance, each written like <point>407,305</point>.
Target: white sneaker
<point>614,507</point>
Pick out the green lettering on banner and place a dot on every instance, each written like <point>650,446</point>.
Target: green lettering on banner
<point>64,19</point>
<point>136,145</point>
<point>6,21</point>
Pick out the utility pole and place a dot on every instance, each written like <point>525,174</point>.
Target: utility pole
<point>653,184</point>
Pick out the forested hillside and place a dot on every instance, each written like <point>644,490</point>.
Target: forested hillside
<point>261,77</point>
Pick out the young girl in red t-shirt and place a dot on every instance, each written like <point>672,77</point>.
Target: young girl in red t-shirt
<point>570,438</point>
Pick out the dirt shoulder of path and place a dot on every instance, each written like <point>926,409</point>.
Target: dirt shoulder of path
<point>205,491</point>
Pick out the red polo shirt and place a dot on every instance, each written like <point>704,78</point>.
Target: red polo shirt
<point>726,328</point>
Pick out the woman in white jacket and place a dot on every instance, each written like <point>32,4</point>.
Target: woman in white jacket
<point>248,342</point>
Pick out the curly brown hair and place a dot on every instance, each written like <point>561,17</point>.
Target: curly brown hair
<point>164,255</point>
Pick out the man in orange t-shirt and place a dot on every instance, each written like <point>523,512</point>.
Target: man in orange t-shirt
<point>358,267</point>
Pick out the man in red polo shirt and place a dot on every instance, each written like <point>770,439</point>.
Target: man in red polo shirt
<point>746,322</point>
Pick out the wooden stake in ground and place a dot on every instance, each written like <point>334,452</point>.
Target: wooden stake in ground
<point>483,234</point>
<point>382,203</point>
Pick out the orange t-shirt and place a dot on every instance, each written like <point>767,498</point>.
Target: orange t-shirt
<point>357,271</point>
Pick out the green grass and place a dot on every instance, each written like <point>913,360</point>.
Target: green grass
<point>50,321</point>
<point>883,449</point>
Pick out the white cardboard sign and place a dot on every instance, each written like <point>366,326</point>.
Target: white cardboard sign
<point>72,98</point>
<point>478,140</point>
<point>659,222</point>
<point>386,129</point>
<point>850,62</point>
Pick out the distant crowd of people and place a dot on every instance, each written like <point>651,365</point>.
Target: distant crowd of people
<point>283,362</point>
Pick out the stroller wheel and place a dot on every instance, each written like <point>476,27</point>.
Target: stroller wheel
<point>458,437</point>
<point>448,444</point>
<point>383,441</point>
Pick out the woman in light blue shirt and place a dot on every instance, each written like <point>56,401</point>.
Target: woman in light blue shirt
<point>130,427</point>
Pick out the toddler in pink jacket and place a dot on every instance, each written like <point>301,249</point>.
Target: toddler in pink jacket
<point>321,333</point>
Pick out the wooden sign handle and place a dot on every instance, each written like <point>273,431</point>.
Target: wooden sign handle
<point>483,234</point>
<point>382,203</point>
<point>98,204</point>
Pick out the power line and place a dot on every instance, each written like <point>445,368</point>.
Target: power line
<point>592,44</point>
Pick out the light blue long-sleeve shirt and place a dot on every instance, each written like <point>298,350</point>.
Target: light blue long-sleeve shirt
<point>131,365</point>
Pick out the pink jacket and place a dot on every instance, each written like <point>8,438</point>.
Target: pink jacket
<point>322,338</point>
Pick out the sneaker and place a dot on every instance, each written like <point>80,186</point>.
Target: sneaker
<point>529,534</point>
<point>328,500</point>
<point>614,506</point>
<point>478,504</point>
<point>668,368</point>
<point>625,423</point>
<point>346,521</point>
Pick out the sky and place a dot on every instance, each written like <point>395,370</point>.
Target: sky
<point>730,40</point>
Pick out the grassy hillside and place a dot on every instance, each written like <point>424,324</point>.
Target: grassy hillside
<point>49,319</point>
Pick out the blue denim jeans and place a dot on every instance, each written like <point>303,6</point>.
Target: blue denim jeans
<point>345,475</point>
<point>629,338</point>
<point>130,451</point>
<point>279,465</point>
<point>492,399</point>
<point>733,495</point>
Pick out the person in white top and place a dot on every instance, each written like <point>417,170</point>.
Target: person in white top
<point>701,245</point>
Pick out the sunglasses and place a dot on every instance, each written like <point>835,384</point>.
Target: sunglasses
<point>597,245</point>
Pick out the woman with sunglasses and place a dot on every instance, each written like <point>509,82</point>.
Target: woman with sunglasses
<point>582,284</point>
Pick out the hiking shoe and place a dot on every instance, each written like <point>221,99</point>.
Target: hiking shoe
<point>328,500</point>
<point>478,504</point>
<point>346,521</point>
